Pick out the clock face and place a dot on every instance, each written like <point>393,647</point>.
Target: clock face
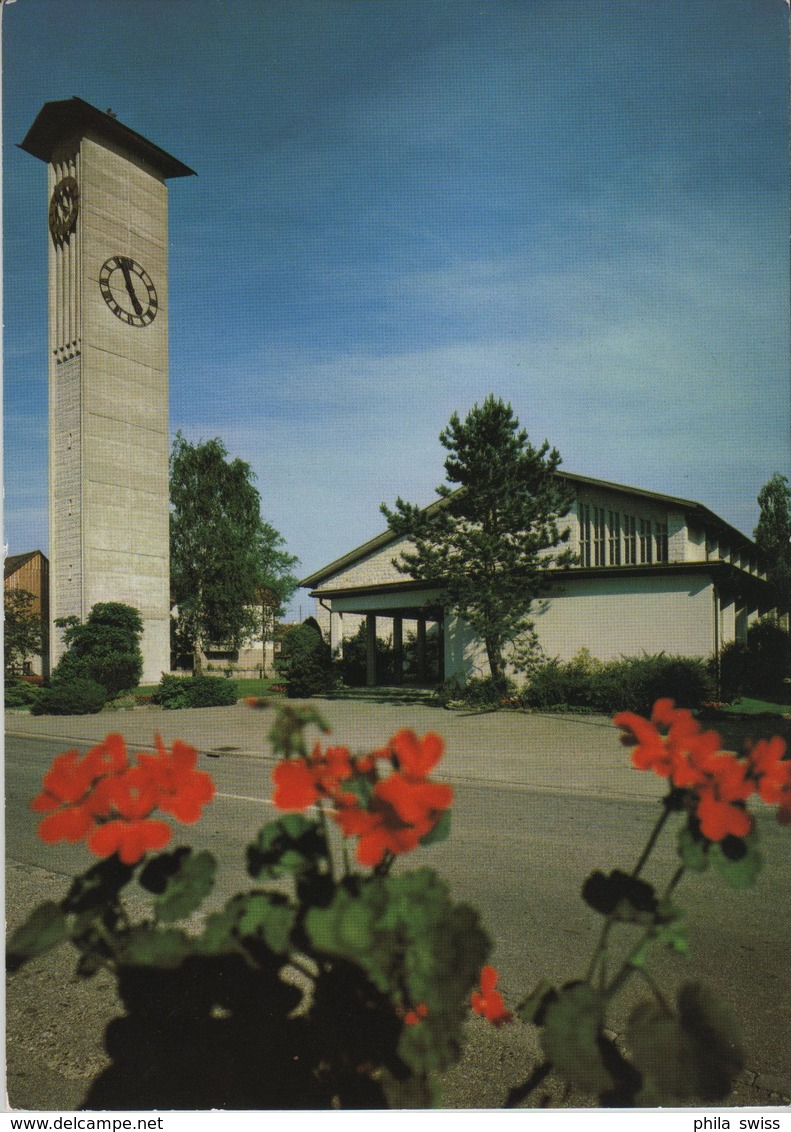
<point>128,290</point>
<point>63,208</point>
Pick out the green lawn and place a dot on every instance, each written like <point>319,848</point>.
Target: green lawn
<point>245,687</point>
<point>747,706</point>
<point>748,720</point>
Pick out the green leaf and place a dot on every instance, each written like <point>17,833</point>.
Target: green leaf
<point>743,871</point>
<point>98,886</point>
<point>268,916</point>
<point>694,1055</point>
<point>158,870</point>
<point>187,888</point>
<point>570,1038</point>
<point>532,1009</point>
<point>45,928</point>
<point>217,937</point>
<point>152,947</point>
<point>289,846</point>
<point>440,831</point>
<point>669,929</point>
<point>693,851</point>
<point>621,895</point>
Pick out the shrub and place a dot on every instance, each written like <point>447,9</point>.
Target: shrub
<point>78,695</point>
<point>20,694</point>
<point>305,662</point>
<point>628,684</point>
<point>194,691</point>
<point>759,666</point>
<point>487,691</point>
<point>637,683</point>
<point>555,684</point>
<point>478,692</point>
<point>106,648</point>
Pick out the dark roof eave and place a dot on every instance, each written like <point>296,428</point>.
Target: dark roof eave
<point>77,116</point>
<point>688,505</point>
<point>652,569</point>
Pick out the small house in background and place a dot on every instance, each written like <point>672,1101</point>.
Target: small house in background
<point>655,574</point>
<point>30,572</point>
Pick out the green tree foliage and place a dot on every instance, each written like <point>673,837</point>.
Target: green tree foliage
<point>305,662</point>
<point>105,648</point>
<point>229,572</point>
<point>773,535</point>
<point>491,542</point>
<point>22,634</point>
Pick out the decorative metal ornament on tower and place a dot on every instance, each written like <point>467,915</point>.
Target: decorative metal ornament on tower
<point>108,369</point>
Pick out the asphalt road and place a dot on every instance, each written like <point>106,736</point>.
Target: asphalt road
<point>526,832</point>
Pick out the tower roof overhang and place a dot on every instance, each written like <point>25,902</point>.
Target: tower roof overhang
<point>75,116</point>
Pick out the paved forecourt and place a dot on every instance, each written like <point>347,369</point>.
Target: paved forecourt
<point>571,754</point>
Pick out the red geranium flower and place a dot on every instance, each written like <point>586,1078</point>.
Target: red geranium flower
<point>416,803</point>
<point>107,802</point>
<point>181,790</point>
<point>68,780</point>
<point>331,768</point>
<point>666,752</point>
<point>416,757</point>
<point>380,830</point>
<point>71,823</point>
<point>771,770</point>
<point>412,1017</point>
<point>488,1002</point>
<point>295,787</point>
<point>131,840</point>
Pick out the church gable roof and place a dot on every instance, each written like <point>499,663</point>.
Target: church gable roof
<point>695,511</point>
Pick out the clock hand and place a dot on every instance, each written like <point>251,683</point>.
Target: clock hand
<point>124,263</point>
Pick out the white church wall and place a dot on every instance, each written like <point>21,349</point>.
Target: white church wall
<point>611,618</point>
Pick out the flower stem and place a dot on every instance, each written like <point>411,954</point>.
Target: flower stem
<point>656,992</point>
<point>649,845</point>
<point>519,1092</point>
<point>325,829</point>
<point>676,877</point>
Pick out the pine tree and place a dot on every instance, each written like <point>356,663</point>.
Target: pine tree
<point>492,541</point>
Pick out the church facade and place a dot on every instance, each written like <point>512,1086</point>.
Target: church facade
<point>655,573</point>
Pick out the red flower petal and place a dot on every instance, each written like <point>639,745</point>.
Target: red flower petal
<point>69,824</point>
<point>488,1002</point>
<point>720,819</point>
<point>134,795</point>
<point>108,757</point>
<point>295,788</point>
<point>131,840</point>
<point>417,757</point>
<point>414,802</point>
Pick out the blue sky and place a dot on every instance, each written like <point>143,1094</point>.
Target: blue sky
<point>405,205</point>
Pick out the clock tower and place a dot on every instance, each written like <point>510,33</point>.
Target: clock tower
<point>108,369</point>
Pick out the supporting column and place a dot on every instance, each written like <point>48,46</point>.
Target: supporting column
<point>336,635</point>
<point>421,650</point>
<point>398,650</point>
<point>441,648</point>
<point>370,649</point>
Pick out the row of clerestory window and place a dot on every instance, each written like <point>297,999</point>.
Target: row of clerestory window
<point>609,538</point>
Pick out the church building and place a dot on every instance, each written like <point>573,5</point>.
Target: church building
<point>655,574</point>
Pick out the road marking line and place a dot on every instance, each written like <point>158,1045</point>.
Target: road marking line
<point>244,798</point>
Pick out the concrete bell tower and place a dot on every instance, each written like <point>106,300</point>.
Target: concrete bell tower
<point>108,369</point>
